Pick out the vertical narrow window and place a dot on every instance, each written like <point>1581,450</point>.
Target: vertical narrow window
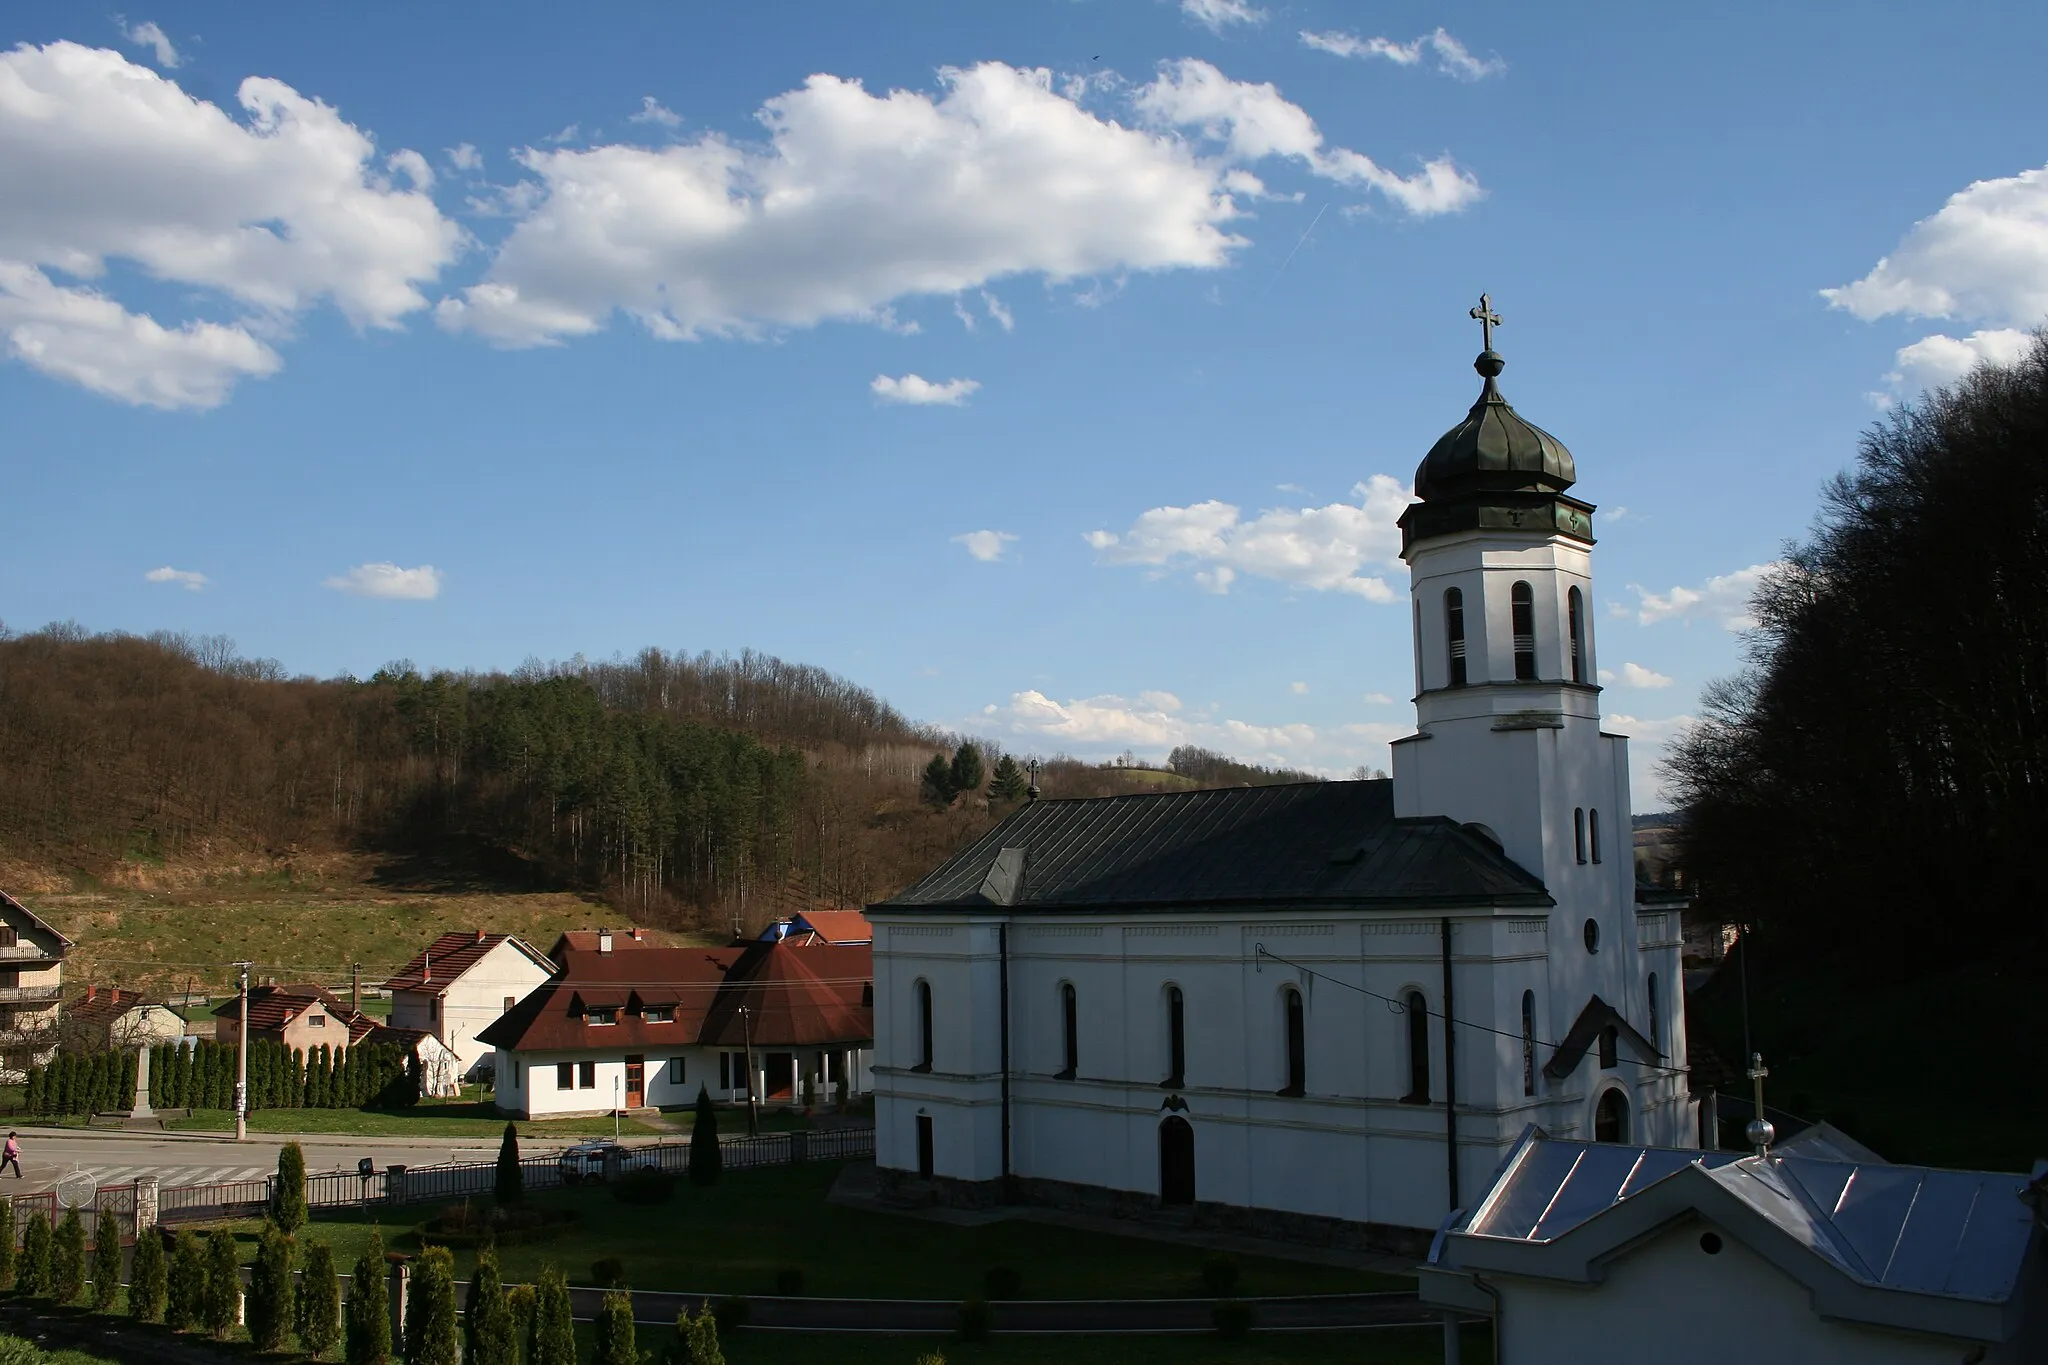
<point>1576,605</point>
<point>1528,1042</point>
<point>1070,1053</point>
<point>1579,832</point>
<point>1417,1010</point>
<point>1593,832</point>
<point>1523,600</point>
<point>924,1026</point>
<point>1417,637</point>
<point>1297,1043</point>
<point>1610,1048</point>
<point>1176,1038</point>
<point>1454,633</point>
<point>1656,1026</point>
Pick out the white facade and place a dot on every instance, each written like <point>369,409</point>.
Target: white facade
<point>531,1084</point>
<point>454,1011</point>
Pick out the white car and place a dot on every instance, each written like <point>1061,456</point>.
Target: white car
<point>589,1160</point>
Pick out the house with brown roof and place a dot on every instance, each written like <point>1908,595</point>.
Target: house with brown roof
<point>461,982</point>
<point>31,988</point>
<point>118,1019</point>
<point>823,926</point>
<point>646,1027</point>
<point>301,1017</point>
<point>598,941</point>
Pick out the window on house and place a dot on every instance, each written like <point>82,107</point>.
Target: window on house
<point>1656,1027</point>
<point>9,936</point>
<point>924,1027</point>
<point>586,1075</point>
<point>1575,602</point>
<point>675,1071</point>
<point>565,1075</point>
<point>1417,1010</point>
<point>1297,1043</point>
<point>316,1020</point>
<point>433,1007</point>
<point>1610,1048</point>
<point>603,1014</point>
<point>515,1071</point>
<point>1579,832</point>
<point>1593,833</point>
<point>659,1014</point>
<point>510,1001</point>
<point>1070,1032</point>
<point>1528,1042</point>
<point>1176,1038</point>
<point>1454,632</point>
<point>725,1071</point>
<point>1522,601</point>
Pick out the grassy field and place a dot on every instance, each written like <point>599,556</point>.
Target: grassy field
<point>428,1120</point>
<point>735,1237</point>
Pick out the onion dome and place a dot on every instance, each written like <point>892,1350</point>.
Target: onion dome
<point>1493,450</point>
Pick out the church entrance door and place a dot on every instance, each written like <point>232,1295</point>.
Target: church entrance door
<point>1610,1119</point>
<point>1176,1162</point>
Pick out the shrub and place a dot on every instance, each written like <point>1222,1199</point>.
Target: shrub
<point>511,1183</point>
<point>185,1285</point>
<point>614,1331</point>
<point>1232,1318</point>
<point>488,1335</point>
<point>7,1247</point>
<point>223,1293</point>
<point>430,1337</point>
<point>789,1281</point>
<point>697,1339</point>
<point>554,1331</point>
<point>146,1278</point>
<point>67,1259</point>
<point>519,1313</point>
<point>368,1336</point>
<point>269,1309</point>
<point>645,1186</point>
<point>1219,1276</point>
<point>106,1258</point>
<point>732,1312</point>
<point>706,1160</point>
<point>976,1320</point>
<point>607,1272</point>
<point>932,1358</point>
<point>316,1312</point>
<point>288,1200</point>
<point>32,1276</point>
<point>1003,1282</point>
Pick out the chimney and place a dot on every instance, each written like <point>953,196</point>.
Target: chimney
<point>92,992</point>
<point>479,936</point>
<point>636,933</point>
<point>604,940</point>
<point>427,969</point>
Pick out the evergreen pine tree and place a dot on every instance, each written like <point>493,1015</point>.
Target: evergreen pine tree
<point>706,1160</point>
<point>32,1275</point>
<point>937,788</point>
<point>148,1278</point>
<point>614,1330</point>
<point>488,1334</point>
<point>519,1313</point>
<point>126,1099</point>
<point>1008,782</point>
<point>269,1308</point>
<point>222,1294</point>
<point>697,1339</point>
<point>67,1259</point>
<point>511,1182</point>
<point>33,1091</point>
<point>430,1337</point>
<point>966,771</point>
<point>185,1284</point>
<point>554,1329</point>
<point>106,1258</point>
<point>7,1244</point>
<point>369,1309</point>
<point>316,1316</point>
<point>288,1197</point>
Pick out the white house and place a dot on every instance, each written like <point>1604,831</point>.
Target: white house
<point>1579,1252</point>
<point>460,984</point>
<point>114,1018</point>
<point>1330,1009</point>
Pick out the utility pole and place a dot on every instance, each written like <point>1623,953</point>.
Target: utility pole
<point>355,977</point>
<point>242,1062</point>
<point>753,1101</point>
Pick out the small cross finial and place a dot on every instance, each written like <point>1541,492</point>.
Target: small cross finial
<point>1486,318</point>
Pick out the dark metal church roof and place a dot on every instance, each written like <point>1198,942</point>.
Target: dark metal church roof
<point>1495,449</point>
<point>1326,844</point>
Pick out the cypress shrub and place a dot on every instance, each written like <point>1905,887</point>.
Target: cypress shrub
<point>519,1313</point>
<point>369,1309</point>
<point>221,1292</point>
<point>288,1198</point>
<point>316,1315</point>
<point>33,1093</point>
<point>7,1248</point>
<point>554,1330</point>
<point>511,1184</point>
<point>269,1310</point>
<point>126,1097</point>
<point>614,1330</point>
<point>32,1276</point>
<point>488,1334</point>
<point>67,1259</point>
<point>185,1284</point>
<point>697,1339</point>
<point>430,1311</point>
<point>147,1278</point>
<point>706,1161</point>
<point>106,1259</point>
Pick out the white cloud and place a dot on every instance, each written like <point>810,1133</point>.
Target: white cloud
<point>1217,15</point>
<point>986,546</point>
<point>916,389</point>
<point>652,111</point>
<point>1300,689</point>
<point>148,34</point>
<point>107,160</point>
<point>1325,548</point>
<point>465,157</point>
<point>1723,600</point>
<point>1452,56</point>
<point>387,581</point>
<point>998,311</point>
<point>191,580</point>
<point>1614,514</point>
<point>1938,359</point>
<point>1377,699</point>
<point>1255,121</point>
<point>1635,675</point>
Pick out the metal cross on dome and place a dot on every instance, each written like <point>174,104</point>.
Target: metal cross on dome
<point>1486,318</point>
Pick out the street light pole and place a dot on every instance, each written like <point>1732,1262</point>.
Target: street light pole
<point>242,1062</point>
<point>753,1100</point>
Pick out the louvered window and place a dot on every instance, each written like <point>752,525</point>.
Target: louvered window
<point>1523,600</point>
<point>1576,602</point>
<point>1454,632</point>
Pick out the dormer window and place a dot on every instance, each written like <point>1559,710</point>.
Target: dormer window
<point>659,1014</point>
<point>1522,599</point>
<point>1454,632</point>
<point>604,1014</point>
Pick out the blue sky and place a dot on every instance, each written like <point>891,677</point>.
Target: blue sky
<point>1055,369</point>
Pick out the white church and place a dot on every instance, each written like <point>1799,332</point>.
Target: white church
<point>1324,1010</point>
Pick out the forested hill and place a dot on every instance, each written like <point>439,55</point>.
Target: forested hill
<point>683,788</point>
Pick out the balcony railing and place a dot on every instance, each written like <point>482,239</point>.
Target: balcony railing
<point>18,952</point>
<point>30,995</point>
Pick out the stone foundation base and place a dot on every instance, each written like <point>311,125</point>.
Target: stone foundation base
<point>1306,1229</point>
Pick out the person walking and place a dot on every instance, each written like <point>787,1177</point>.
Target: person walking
<point>10,1155</point>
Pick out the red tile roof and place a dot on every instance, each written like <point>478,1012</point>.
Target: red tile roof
<point>272,1007</point>
<point>795,996</point>
<point>435,968</point>
<point>835,926</point>
<point>585,941</point>
<point>105,1006</point>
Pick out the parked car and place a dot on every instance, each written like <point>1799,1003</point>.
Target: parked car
<point>589,1160</point>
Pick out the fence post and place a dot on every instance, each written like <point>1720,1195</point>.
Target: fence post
<point>394,1184</point>
<point>145,1203</point>
<point>399,1285</point>
<point>799,1148</point>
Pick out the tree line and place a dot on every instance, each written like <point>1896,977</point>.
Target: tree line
<point>366,1076</point>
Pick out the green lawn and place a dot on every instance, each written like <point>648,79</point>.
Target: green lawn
<point>734,1237</point>
<point>455,1118</point>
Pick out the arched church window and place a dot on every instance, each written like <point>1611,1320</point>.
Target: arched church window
<point>1579,832</point>
<point>1528,1042</point>
<point>1297,1043</point>
<point>1176,1039</point>
<point>1575,602</point>
<point>1417,1010</point>
<point>924,1026</point>
<point>1522,598</point>
<point>1070,1032</point>
<point>1610,1048</point>
<point>1593,832</point>
<point>1454,632</point>
<point>1656,1027</point>
<point>1610,1118</point>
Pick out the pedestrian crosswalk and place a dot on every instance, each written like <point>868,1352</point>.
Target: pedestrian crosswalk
<point>167,1176</point>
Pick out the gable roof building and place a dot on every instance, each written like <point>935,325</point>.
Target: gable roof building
<point>462,981</point>
<point>111,1017</point>
<point>32,954</point>
<point>301,1017</point>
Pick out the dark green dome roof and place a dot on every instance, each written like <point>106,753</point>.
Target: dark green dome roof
<point>1493,450</point>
